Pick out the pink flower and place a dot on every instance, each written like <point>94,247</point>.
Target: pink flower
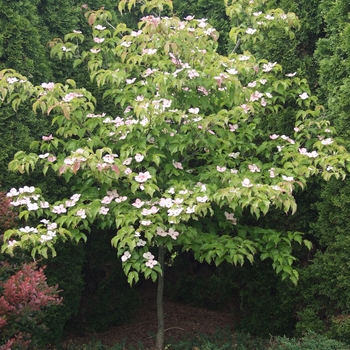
<point>106,200</point>
<point>177,165</point>
<point>51,159</point>
<point>139,157</point>
<point>229,216</point>
<point>161,232</point>
<point>69,97</point>
<point>127,161</point>
<point>47,138</point>
<point>233,127</point>
<point>142,177</point>
<point>203,89</point>
<point>81,213</point>
<point>246,108</point>
<point>12,80</point>
<point>192,73</point>
<point>221,169</point>
<point>151,263</point>
<point>103,211</point>
<point>246,183</point>
<point>152,210</point>
<point>166,203</point>
<point>172,233</point>
<point>44,205</point>
<point>48,86</point>
<point>149,51</point>
<point>256,96</point>
<point>99,40</point>
<point>59,209</point>
<point>148,255</point>
<point>253,168</point>
<point>127,171</point>
<point>138,203</point>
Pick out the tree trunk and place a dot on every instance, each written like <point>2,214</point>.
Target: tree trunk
<point>160,311</point>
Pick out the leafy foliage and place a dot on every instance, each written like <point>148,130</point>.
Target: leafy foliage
<point>23,296</point>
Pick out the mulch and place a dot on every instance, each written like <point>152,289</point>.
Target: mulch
<point>180,321</point>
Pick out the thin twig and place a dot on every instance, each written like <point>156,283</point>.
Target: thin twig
<point>168,329</point>
<point>237,44</point>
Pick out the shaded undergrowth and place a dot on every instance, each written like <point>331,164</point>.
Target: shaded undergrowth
<point>225,340</point>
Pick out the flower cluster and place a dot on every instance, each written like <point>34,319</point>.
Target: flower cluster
<point>172,233</point>
<point>151,262</point>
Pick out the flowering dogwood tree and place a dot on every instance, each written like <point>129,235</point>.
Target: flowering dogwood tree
<point>184,157</point>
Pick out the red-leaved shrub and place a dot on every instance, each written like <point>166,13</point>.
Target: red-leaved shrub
<point>22,298</point>
<point>7,215</point>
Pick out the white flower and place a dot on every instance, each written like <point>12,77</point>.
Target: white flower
<point>81,213</point>
<point>141,243</point>
<point>146,222</point>
<point>139,157</point>
<point>148,256</point>
<point>175,212</point>
<point>327,141</point>
<point>250,31</point>
<point>193,110</point>
<point>166,203</point>
<point>103,211</point>
<point>267,67</point>
<point>246,183</point>
<point>304,96</point>
<point>99,27</point>
<point>232,71</point>
<point>126,256</point>
<point>234,155</point>
<point>287,178</point>
<point>12,243</point>
<point>190,210</point>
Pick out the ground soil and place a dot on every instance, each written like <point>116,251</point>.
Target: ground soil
<point>180,320</point>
